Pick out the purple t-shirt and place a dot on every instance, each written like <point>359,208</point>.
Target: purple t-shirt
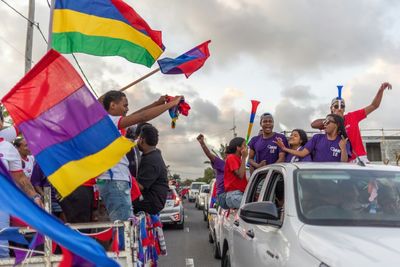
<point>324,150</point>
<point>293,158</point>
<point>218,165</point>
<point>265,148</point>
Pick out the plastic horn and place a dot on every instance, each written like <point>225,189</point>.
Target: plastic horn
<point>254,105</point>
<point>339,88</point>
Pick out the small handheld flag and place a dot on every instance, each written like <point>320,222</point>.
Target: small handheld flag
<point>254,106</point>
<point>186,63</point>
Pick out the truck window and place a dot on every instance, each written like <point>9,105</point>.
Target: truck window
<point>256,187</point>
<point>276,191</point>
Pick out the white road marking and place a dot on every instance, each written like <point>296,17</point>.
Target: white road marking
<point>189,262</point>
<point>186,216</point>
<point>187,229</point>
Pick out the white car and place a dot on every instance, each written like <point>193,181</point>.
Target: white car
<point>173,212</point>
<point>316,214</point>
<point>194,190</point>
<point>200,201</point>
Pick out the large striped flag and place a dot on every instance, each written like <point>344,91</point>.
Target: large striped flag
<point>104,28</point>
<point>68,131</point>
<point>13,201</point>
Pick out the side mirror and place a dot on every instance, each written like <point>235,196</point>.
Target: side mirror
<point>264,212</point>
<point>207,191</point>
<point>213,211</point>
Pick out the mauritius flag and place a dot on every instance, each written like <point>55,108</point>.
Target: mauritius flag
<point>104,28</point>
<point>67,130</point>
<point>187,63</point>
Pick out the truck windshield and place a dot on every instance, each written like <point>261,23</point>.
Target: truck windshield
<point>348,197</point>
<point>203,188</point>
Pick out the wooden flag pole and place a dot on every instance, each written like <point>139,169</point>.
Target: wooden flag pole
<point>139,80</point>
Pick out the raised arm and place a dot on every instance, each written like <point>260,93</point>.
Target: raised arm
<point>206,151</point>
<point>318,124</point>
<point>160,101</point>
<point>344,157</point>
<point>147,114</point>
<point>378,98</point>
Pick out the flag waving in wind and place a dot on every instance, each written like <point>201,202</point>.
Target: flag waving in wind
<point>104,28</point>
<point>186,63</point>
<point>67,130</point>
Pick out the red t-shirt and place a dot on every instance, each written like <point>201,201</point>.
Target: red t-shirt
<point>351,121</point>
<point>231,181</point>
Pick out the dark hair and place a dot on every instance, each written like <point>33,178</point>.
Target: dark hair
<point>233,144</point>
<point>112,96</point>
<point>340,123</point>
<point>303,136</point>
<point>266,114</point>
<point>18,141</point>
<point>139,127</point>
<point>150,135</point>
<point>1,116</point>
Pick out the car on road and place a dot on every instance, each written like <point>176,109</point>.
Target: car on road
<point>200,201</point>
<point>209,201</point>
<point>194,190</point>
<point>315,214</point>
<point>173,212</point>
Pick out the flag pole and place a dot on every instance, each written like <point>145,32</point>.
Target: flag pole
<point>139,80</point>
<point>51,24</point>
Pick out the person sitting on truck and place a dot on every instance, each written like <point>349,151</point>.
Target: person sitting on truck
<point>235,180</point>
<point>152,175</point>
<point>218,165</point>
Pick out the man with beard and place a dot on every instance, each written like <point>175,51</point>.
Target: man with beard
<point>152,174</point>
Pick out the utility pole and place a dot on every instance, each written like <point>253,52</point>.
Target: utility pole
<point>234,127</point>
<point>29,36</point>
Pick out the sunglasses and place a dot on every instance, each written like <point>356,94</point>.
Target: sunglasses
<point>327,121</point>
<point>337,106</point>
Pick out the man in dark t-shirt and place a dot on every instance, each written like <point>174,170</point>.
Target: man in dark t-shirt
<point>152,173</point>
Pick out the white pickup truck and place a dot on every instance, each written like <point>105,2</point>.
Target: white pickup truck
<point>314,214</point>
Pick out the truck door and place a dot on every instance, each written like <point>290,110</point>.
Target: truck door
<point>242,241</point>
<point>271,246</point>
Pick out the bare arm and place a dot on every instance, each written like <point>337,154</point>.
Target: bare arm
<point>318,124</point>
<point>39,189</point>
<point>344,157</point>
<point>23,182</point>
<point>281,157</point>
<point>378,98</point>
<point>159,102</point>
<point>302,153</point>
<point>240,173</point>
<point>206,151</point>
<point>148,114</point>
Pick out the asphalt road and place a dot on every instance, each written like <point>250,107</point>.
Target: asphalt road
<point>189,247</point>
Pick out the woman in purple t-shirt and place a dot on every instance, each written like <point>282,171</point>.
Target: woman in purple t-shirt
<point>329,147</point>
<point>298,138</point>
<point>263,149</point>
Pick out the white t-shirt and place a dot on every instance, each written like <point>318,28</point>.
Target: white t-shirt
<point>120,171</point>
<point>9,134</point>
<point>9,156</point>
<point>27,165</point>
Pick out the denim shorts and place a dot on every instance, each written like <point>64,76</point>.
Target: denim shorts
<point>4,222</point>
<point>116,196</point>
<point>221,200</point>
<point>234,198</point>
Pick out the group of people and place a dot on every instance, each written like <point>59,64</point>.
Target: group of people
<point>340,141</point>
<point>143,166</point>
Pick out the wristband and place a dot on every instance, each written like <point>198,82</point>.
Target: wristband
<point>36,196</point>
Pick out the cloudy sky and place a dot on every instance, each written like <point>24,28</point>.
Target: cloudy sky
<point>290,55</point>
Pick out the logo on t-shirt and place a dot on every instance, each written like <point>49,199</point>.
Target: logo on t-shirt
<point>272,148</point>
<point>335,151</point>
